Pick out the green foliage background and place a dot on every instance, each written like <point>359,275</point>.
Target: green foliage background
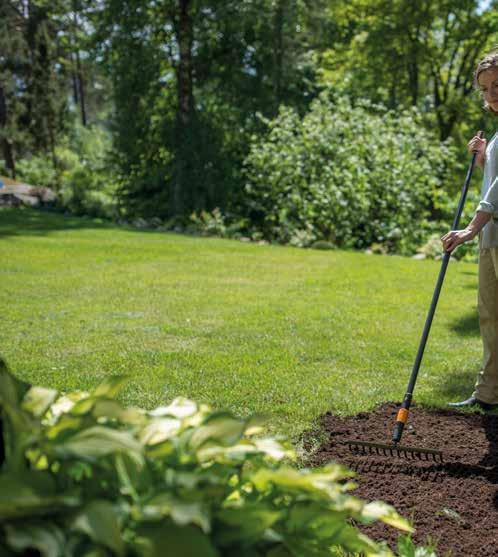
<point>349,174</point>
<point>185,90</point>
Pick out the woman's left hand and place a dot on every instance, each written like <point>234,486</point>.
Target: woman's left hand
<point>454,238</point>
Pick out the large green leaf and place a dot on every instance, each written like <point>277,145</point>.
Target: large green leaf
<point>64,427</point>
<point>46,537</point>
<point>99,441</point>
<point>181,512</point>
<point>309,515</point>
<point>12,389</point>
<point>111,386</point>
<point>239,452</point>
<point>219,428</point>
<point>38,399</point>
<point>84,406</point>
<point>199,479</point>
<point>98,520</point>
<point>246,523</point>
<point>31,495</point>
<point>64,404</point>
<point>18,427</point>
<point>378,510</point>
<point>159,430</point>
<point>161,450</point>
<point>169,540</point>
<point>180,408</point>
<point>274,449</point>
<point>279,551</point>
<point>110,409</point>
<point>318,482</point>
<point>352,540</point>
<point>268,447</point>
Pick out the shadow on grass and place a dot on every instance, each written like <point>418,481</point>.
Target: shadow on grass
<point>467,325</point>
<point>32,222</point>
<point>457,385</point>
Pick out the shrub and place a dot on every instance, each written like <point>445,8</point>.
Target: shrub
<point>84,475</point>
<point>349,175</point>
<point>216,223</point>
<point>37,171</point>
<point>83,178</point>
<point>209,223</point>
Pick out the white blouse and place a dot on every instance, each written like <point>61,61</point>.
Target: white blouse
<point>489,195</point>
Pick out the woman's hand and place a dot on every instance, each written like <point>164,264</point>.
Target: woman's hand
<point>456,237</point>
<point>478,145</point>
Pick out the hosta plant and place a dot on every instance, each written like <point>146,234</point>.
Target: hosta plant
<point>84,476</point>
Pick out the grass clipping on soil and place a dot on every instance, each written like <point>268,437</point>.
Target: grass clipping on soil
<point>454,503</point>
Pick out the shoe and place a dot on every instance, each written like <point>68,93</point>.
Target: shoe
<point>473,401</point>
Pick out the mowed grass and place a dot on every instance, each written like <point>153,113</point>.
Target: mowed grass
<point>288,332</point>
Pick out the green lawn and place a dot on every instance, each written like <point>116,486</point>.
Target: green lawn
<point>284,331</point>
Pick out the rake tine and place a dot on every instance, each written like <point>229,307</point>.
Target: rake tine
<point>410,453</point>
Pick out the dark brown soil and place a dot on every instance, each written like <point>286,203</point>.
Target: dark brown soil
<point>455,502</point>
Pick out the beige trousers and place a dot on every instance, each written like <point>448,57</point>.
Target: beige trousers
<point>486,388</point>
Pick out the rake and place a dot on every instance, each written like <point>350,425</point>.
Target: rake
<point>394,448</point>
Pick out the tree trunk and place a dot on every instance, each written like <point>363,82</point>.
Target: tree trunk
<point>7,149</point>
<point>2,442</point>
<point>278,52</point>
<point>78,83</point>
<point>184,74</point>
<point>74,79</point>
<point>413,77</point>
<point>81,88</point>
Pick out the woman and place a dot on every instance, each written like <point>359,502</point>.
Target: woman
<point>485,223</point>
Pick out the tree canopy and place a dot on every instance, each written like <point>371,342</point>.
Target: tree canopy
<point>179,84</point>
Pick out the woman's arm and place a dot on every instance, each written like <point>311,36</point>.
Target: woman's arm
<point>456,237</point>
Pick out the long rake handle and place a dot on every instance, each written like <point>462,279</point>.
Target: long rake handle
<point>402,416</point>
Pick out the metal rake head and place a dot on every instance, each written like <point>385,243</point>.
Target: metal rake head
<point>414,453</point>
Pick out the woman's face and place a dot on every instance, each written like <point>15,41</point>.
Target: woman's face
<point>488,84</point>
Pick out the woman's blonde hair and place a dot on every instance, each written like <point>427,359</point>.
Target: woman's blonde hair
<point>488,62</point>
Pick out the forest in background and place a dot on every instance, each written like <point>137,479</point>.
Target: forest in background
<point>273,119</point>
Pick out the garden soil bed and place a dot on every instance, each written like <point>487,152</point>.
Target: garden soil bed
<point>455,503</point>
